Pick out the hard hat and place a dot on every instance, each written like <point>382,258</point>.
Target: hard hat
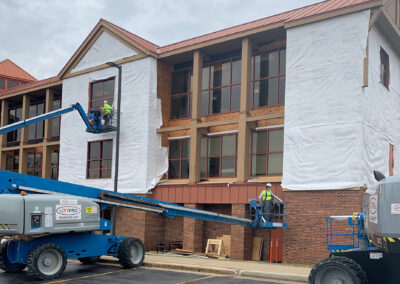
<point>268,185</point>
<point>105,101</point>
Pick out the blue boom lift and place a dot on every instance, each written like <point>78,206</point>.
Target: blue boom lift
<point>50,221</point>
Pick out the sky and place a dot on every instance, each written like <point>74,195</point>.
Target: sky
<point>42,35</point>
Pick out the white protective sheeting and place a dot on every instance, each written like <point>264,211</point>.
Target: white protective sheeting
<point>105,49</point>
<point>142,159</point>
<point>324,133</point>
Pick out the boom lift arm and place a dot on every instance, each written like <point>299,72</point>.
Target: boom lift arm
<point>54,220</point>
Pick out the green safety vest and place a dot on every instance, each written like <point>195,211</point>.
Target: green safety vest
<point>107,109</point>
<point>266,195</point>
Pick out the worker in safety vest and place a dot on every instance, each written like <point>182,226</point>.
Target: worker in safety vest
<point>266,199</point>
<point>107,109</point>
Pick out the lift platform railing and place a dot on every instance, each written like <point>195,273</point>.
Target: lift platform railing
<point>352,238</point>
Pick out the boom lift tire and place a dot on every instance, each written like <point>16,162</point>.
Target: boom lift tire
<point>47,261</point>
<point>89,260</point>
<point>131,253</point>
<point>337,269</point>
<point>5,264</point>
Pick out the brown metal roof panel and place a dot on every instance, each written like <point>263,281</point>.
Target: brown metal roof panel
<point>32,85</point>
<point>10,69</point>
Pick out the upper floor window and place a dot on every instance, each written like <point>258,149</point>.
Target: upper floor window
<point>36,130</point>
<point>99,159</point>
<point>181,93</point>
<point>2,84</point>
<point>385,71</point>
<point>34,167</point>
<point>12,84</point>
<point>179,158</point>
<point>218,156</point>
<point>221,86</point>
<point>267,152</point>
<point>14,115</point>
<point>268,77</point>
<point>55,122</point>
<point>100,91</point>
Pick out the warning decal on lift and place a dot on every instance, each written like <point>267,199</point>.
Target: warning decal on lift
<point>373,208</point>
<point>68,212</point>
<point>48,217</point>
<point>395,208</point>
<point>91,210</point>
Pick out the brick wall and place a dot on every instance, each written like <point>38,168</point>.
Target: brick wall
<point>212,230</point>
<point>305,236</point>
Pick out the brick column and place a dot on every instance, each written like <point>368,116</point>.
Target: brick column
<point>242,237</point>
<point>46,158</point>
<point>193,232</point>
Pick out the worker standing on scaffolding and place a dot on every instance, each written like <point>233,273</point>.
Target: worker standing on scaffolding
<point>107,109</point>
<point>266,199</point>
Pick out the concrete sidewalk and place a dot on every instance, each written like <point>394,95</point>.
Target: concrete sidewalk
<point>253,269</point>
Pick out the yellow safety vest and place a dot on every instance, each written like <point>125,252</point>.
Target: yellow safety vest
<point>266,195</point>
<point>107,109</point>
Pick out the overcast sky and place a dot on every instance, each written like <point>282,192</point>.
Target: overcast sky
<point>42,35</point>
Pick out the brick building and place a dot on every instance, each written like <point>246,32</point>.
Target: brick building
<point>290,99</point>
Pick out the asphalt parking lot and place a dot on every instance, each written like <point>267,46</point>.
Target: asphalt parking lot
<point>108,273</point>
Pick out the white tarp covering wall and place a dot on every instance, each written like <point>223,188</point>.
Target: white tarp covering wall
<point>142,159</point>
<point>105,46</point>
<point>326,107</point>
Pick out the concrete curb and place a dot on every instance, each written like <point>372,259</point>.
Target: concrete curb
<point>221,271</point>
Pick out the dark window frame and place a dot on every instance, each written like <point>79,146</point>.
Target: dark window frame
<point>54,167</point>
<point>220,156</point>
<point>37,139</point>
<point>3,84</point>
<point>15,81</point>
<point>13,155</point>
<point>267,153</point>
<point>211,88</point>
<point>34,169</point>
<point>385,68</point>
<point>188,94</point>
<point>253,81</point>
<point>90,101</point>
<point>15,140</point>
<point>180,159</point>
<point>100,160</point>
<point>54,120</point>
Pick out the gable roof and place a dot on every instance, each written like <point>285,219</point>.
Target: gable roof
<point>311,13</point>
<point>12,70</point>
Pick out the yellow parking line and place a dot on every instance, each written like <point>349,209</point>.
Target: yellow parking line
<point>197,279</point>
<point>88,276</point>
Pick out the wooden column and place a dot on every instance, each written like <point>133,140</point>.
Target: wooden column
<point>23,155</point>
<point>46,158</point>
<point>243,159</point>
<point>3,138</point>
<point>195,133</point>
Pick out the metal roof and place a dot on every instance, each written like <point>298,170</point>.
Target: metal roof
<point>12,70</point>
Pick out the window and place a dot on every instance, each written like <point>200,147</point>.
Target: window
<point>221,86</point>
<point>14,115</point>
<point>12,161</point>
<point>181,92</point>
<point>218,156</point>
<point>34,164</point>
<point>100,91</point>
<point>55,122</point>
<point>267,152</point>
<point>2,84</point>
<point>11,84</point>
<point>268,78</point>
<point>385,72</point>
<point>36,130</point>
<point>99,159</point>
<point>54,164</point>
<point>179,158</point>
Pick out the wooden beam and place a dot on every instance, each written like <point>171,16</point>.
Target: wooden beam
<point>244,130</point>
<point>265,117</point>
<point>173,128</point>
<point>195,135</point>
